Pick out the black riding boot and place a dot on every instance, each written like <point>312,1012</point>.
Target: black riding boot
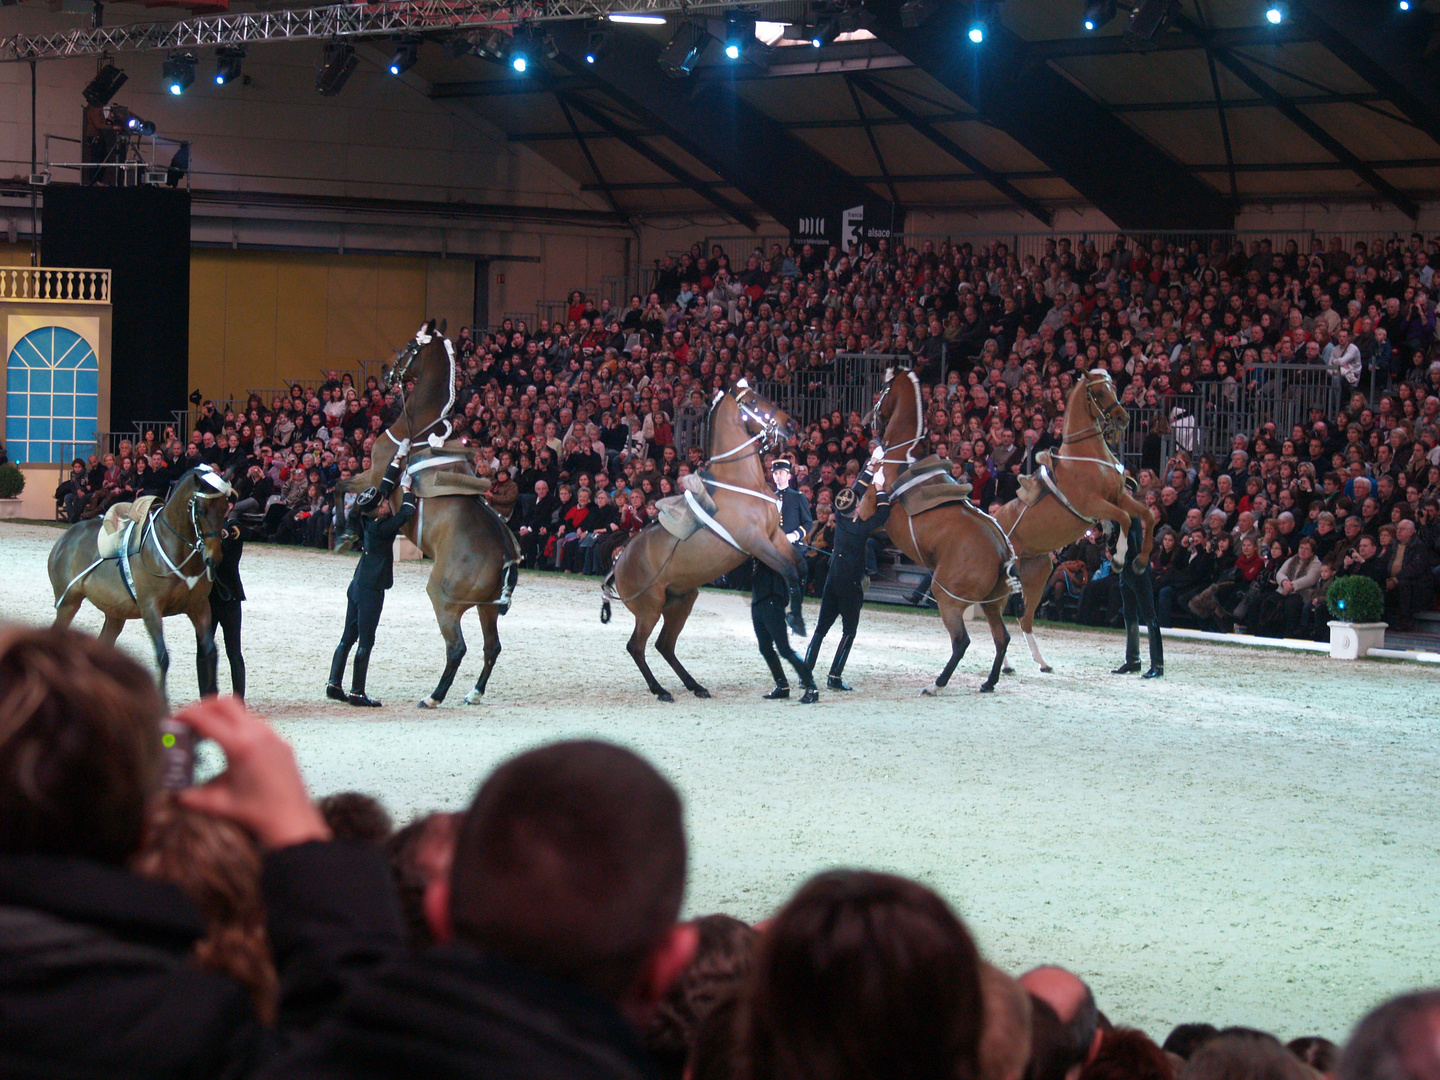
<point>812,653</point>
<point>334,689</point>
<point>1132,650</point>
<point>1157,655</point>
<point>782,684</point>
<point>357,681</point>
<point>837,666</point>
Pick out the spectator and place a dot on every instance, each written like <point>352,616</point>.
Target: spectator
<point>882,960</point>
<point>1398,1041</point>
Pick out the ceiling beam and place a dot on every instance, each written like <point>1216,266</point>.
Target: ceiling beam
<point>887,100</point>
<point>1113,167</point>
<point>1387,48</point>
<point>1045,174</point>
<point>753,152</point>
<point>1173,40</point>
<point>1315,131</point>
<point>660,161</point>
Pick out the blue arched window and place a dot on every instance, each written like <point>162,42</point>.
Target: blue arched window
<point>52,385</point>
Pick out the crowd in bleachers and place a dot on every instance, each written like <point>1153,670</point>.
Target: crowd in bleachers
<point>575,422</point>
<point>237,929</point>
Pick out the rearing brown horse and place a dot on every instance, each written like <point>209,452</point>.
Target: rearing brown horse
<point>658,575</point>
<point>176,548</point>
<point>1089,487</point>
<point>476,556</point>
<point>961,544</point>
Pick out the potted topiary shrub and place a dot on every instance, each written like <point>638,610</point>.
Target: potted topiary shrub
<point>1356,606</point>
<point>12,483</point>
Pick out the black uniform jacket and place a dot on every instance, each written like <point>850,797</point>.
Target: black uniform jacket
<point>377,540</point>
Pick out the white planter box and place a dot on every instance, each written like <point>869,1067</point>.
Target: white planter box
<point>1352,641</point>
<point>10,508</point>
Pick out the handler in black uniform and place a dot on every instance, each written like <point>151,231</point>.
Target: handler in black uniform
<point>795,521</point>
<point>226,595</point>
<point>768,595</point>
<point>366,596</point>
<point>844,592</point>
<point>1137,601</point>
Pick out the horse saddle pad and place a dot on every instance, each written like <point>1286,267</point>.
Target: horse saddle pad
<point>676,517</point>
<point>112,525</point>
<point>444,471</point>
<point>940,489</point>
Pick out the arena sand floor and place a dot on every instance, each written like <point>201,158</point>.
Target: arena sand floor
<point>1250,840</point>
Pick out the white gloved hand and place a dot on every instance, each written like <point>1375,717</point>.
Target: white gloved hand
<point>877,454</point>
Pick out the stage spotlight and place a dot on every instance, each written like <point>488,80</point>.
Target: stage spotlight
<point>679,57</point>
<point>178,72</point>
<point>339,62</point>
<point>1098,13</point>
<point>104,86</point>
<point>824,32</point>
<point>227,65</point>
<point>140,127</point>
<point>179,166</point>
<point>493,47</point>
<point>407,53</point>
<point>1275,14</point>
<point>596,42</point>
<point>1404,5</point>
<point>637,19</point>
<point>978,30</point>
<point>520,62</point>
<point>739,34</point>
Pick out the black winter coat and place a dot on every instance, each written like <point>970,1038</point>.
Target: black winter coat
<point>453,1012</point>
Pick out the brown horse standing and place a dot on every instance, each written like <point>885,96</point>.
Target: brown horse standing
<point>476,556</point>
<point>1092,481</point>
<point>179,546</point>
<point>659,576</point>
<point>962,545</point>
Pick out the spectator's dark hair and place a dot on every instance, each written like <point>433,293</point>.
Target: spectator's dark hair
<point>352,815</point>
<point>216,864</point>
<point>1398,1041</point>
<point>419,852</point>
<point>864,976</point>
<point>717,1052</point>
<point>1051,1052</point>
<point>1246,1056</point>
<point>1185,1039</point>
<point>1316,1051</point>
<point>1128,1054</point>
<point>723,959</point>
<point>571,859</point>
<point>79,746</point>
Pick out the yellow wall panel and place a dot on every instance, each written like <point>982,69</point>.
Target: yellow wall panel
<point>261,319</point>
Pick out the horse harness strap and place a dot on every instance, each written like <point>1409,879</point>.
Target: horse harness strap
<point>1050,487</point>
<point>710,481</point>
<point>710,522</point>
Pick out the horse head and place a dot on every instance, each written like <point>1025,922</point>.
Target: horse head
<point>196,511</point>
<point>888,405</point>
<point>762,418</point>
<point>1109,415</point>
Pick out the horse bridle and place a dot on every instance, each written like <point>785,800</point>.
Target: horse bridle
<point>1108,421</point>
<point>197,546</point>
<point>905,444</point>
<point>768,437</point>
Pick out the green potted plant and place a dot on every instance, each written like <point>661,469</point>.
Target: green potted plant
<point>12,483</point>
<point>1356,608</point>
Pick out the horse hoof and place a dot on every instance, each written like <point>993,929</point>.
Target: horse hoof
<point>472,698</point>
<point>930,691</point>
<point>700,692</point>
<point>987,688</point>
<point>427,703</point>
<point>1046,670</point>
<point>666,696</point>
<point>1007,670</point>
